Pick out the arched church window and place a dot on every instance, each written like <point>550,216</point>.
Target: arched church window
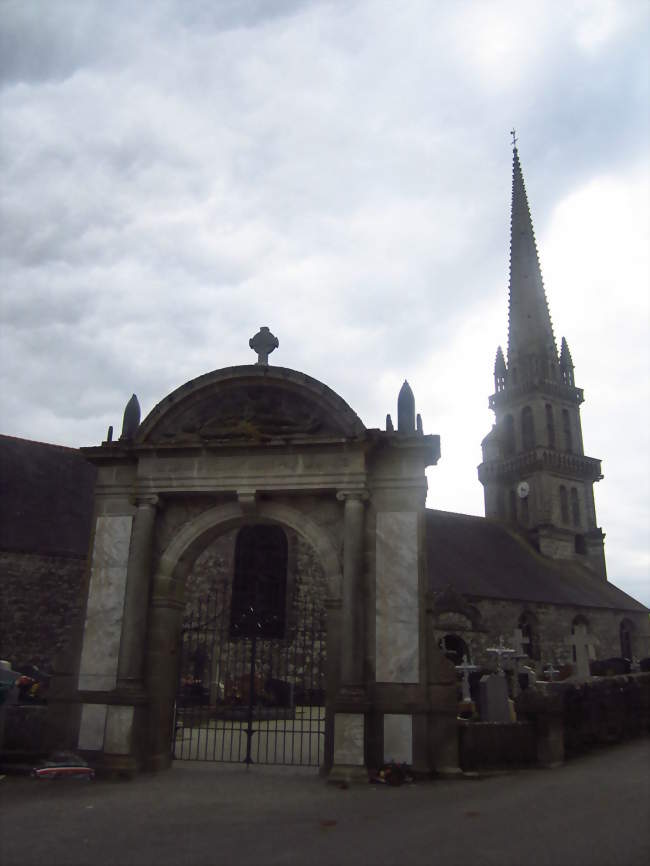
<point>626,634</point>
<point>529,634</point>
<point>260,582</point>
<point>509,435</point>
<point>527,428</point>
<point>550,426</point>
<point>454,648</point>
<point>575,507</point>
<point>566,425</point>
<point>564,504</point>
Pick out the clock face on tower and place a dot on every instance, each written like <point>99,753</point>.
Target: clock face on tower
<point>523,489</point>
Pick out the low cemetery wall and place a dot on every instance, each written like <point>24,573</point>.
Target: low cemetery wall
<point>496,745</point>
<point>573,717</point>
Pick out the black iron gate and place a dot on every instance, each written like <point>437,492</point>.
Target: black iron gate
<point>251,689</point>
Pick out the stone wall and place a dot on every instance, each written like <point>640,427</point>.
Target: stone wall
<point>42,598</point>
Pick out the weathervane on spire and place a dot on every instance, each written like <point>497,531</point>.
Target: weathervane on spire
<point>514,138</point>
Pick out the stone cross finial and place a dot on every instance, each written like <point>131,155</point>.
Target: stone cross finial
<point>501,652</point>
<point>514,138</point>
<point>263,343</point>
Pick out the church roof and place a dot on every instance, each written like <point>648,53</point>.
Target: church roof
<point>46,498</point>
<point>530,329</point>
<point>482,558</point>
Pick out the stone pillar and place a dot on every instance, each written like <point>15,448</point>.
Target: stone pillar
<point>130,672</point>
<point>352,632</point>
<point>351,700</point>
<point>162,669</point>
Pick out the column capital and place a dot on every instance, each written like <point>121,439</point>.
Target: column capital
<point>353,495</point>
<point>150,500</point>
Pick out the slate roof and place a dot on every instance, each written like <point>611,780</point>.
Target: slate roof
<point>483,558</point>
<point>46,498</point>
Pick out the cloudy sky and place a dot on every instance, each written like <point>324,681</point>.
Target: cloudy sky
<point>177,173</point>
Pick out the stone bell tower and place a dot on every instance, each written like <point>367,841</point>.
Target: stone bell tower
<point>534,471</point>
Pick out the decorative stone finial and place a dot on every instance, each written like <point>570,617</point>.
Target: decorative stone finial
<point>406,410</point>
<point>263,343</point>
<point>131,420</point>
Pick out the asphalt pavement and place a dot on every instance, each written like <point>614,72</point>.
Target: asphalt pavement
<point>594,811</point>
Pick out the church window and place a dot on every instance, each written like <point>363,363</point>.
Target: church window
<point>626,634</point>
<point>509,439</point>
<point>575,507</point>
<point>454,648</point>
<point>564,504</point>
<point>527,428</point>
<point>513,506</point>
<point>566,424</point>
<point>529,637</point>
<point>260,582</point>
<point>550,426</point>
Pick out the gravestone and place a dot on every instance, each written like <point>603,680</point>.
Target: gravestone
<point>493,699</point>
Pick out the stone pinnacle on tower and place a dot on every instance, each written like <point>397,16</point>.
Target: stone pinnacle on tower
<point>530,332</point>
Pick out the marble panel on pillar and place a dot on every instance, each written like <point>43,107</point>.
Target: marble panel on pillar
<point>103,625</point>
<point>349,739</point>
<point>396,611</point>
<point>398,738</point>
<point>92,727</point>
<point>119,725</point>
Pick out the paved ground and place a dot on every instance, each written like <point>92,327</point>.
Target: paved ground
<point>594,811</point>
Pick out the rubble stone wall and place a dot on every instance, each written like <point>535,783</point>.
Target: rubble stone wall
<point>42,598</point>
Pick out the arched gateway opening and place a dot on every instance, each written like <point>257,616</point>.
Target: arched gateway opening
<point>253,651</point>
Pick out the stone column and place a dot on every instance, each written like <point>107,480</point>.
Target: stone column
<point>167,608</point>
<point>351,700</point>
<point>352,631</point>
<point>130,671</point>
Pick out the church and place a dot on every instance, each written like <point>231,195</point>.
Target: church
<point>251,574</point>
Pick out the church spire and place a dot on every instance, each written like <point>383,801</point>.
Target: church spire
<point>530,331</point>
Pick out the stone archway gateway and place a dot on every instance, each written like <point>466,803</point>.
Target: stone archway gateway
<point>264,446</point>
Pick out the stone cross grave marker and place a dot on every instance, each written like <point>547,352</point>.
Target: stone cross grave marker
<point>518,656</point>
<point>466,668</point>
<point>551,672</point>
<point>501,651</point>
